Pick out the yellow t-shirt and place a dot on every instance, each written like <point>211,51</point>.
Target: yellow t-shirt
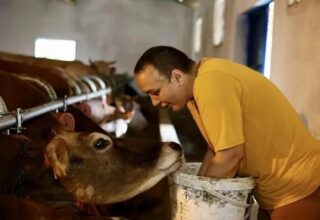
<point>233,105</point>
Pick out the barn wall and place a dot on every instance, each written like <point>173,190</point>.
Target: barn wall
<point>233,46</point>
<point>110,30</point>
<point>295,55</point>
<point>296,58</point>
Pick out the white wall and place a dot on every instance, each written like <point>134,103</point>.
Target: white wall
<point>296,58</point>
<point>104,29</point>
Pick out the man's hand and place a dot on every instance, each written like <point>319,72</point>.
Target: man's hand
<point>222,164</point>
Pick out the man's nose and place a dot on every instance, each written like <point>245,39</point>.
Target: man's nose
<point>155,101</point>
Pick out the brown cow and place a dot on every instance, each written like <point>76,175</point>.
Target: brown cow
<point>81,160</point>
<point>92,167</point>
<point>103,67</point>
<point>12,179</point>
<point>73,67</point>
<point>51,75</point>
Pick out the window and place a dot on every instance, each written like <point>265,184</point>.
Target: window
<point>55,49</point>
<point>260,25</point>
<point>218,22</point>
<point>267,59</point>
<point>197,35</point>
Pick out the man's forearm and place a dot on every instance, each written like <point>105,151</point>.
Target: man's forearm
<point>222,169</point>
<point>222,164</point>
<point>205,163</point>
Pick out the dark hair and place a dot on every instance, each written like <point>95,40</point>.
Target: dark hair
<point>164,59</point>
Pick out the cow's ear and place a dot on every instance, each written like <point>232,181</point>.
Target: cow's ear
<point>56,156</point>
<point>66,120</point>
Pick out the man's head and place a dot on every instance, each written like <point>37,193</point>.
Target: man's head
<point>165,74</point>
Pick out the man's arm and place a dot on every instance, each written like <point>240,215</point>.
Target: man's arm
<point>222,164</point>
<point>205,162</point>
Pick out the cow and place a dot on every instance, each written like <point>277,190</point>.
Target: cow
<point>92,167</point>
<point>125,172</point>
<point>103,67</point>
<point>74,67</point>
<point>89,165</point>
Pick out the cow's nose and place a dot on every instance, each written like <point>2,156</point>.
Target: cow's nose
<point>174,146</point>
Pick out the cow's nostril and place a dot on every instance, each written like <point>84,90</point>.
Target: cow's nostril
<point>174,146</point>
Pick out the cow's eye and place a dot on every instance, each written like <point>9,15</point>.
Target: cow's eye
<point>101,144</point>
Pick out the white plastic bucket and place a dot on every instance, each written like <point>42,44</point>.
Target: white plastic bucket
<point>202,198</point>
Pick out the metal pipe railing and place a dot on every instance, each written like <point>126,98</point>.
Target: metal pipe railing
<point>98,80</point>
<point>19,116</point>
<point>90,83</point>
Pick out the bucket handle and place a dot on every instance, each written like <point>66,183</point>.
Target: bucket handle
<point>231,201</point>
<point>218,195</point>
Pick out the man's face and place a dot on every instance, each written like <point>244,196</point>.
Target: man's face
<point>166,93</point>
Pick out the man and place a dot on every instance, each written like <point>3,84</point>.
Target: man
<point>249,125</point>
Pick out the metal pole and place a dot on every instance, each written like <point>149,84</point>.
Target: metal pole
<point>89,82</point>
<point>10,119</point>
<point>98,80</point>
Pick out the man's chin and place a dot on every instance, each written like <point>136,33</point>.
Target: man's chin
<point>175,108</point>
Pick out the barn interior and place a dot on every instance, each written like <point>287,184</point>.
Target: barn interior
<point>77,57</point>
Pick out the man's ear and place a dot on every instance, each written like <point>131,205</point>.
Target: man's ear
<point>56,156</point>
<point>177,76</point>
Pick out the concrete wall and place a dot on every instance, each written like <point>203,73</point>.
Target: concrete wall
<point>295,61</point>
<point>233,46</point>
<point>103,29</point>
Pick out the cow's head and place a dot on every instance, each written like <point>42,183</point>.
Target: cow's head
<point>98,169</point>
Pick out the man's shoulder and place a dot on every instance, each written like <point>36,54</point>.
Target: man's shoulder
<point>215,69</point>
<point>209,64</point>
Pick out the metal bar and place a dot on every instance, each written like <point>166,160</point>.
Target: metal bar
<point>89,82</point>
<point>74,86</point>
<point>98,80</point>
<point>101,84</point>
<point>3,107</point>
<point>10,119</point>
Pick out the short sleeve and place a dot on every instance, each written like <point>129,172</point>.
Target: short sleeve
<point>218,97</point>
